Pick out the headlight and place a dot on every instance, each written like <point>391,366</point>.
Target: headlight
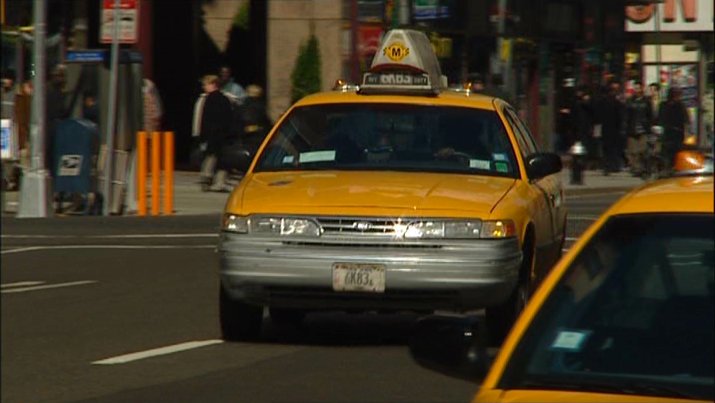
<point>441,229</point>
<point>270,225</point>
<point>498,229</point>
<point>299,226</point>
<point>234,223</point>
<point>426,229</point>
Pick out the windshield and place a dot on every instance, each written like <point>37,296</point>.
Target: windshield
<point>632,314</point>
<point>391,137</point>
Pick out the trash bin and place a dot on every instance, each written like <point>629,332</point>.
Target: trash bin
<point>75,148</point>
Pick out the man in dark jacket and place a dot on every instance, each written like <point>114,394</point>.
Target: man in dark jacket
<point>215,128</point>
<point>611,112</point>
<point>673,117</point>
<point>639,120</point>
<point>584,121</point>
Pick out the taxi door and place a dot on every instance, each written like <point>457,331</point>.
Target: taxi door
<point>550,201</point>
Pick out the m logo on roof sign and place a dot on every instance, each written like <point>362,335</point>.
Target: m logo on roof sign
<point>396,51</point>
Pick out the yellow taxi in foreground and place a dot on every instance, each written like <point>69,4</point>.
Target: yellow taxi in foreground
<point>394,195</point>
<point>627,315</point>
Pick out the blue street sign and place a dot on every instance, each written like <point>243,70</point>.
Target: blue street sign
<point>85,56</point>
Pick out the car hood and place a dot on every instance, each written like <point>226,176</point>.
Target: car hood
<point>539,396</point>
<point>369,193</point>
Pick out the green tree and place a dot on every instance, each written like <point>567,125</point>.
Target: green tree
<point>306,75</point>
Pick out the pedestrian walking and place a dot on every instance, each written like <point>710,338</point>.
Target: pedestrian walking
<point>215,128</point>
<point>496,89</point>
<point>23,108</point>
<point>254,119</point>
<point>584,120</point>
<point>8,94</point>
<point>476,82</point>
<point>56,101</point>
<point>567,124</point>
<point>90,108</point>
<point>229,86</point>
<point>639,119</point>
<point>654,99</point>
<point>153,110</point>
<point>673,118</point>
<point>611,118</point>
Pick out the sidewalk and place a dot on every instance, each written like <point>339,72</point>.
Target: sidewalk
<point>190,200</point>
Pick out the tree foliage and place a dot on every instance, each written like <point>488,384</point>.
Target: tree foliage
<point>306,76</point>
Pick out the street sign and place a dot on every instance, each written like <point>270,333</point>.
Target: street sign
<point>85,56</point>
<point>128,21</point>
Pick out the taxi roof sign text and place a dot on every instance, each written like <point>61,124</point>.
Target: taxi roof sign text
<point>404,63</point>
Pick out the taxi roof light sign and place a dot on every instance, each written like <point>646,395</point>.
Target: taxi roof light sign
<point>404,63</point>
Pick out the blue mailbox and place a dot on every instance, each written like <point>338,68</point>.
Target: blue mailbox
<point>75,145</point>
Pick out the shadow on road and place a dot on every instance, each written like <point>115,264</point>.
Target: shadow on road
<point>343,329</point>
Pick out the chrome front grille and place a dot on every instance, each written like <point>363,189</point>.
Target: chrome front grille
<point>357,226</point>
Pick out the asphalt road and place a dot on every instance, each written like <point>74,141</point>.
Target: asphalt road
<point>124,309</point>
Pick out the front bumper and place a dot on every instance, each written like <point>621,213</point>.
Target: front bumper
<point>419,275</point>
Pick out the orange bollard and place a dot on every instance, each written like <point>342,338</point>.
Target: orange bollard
<point>168,173</point>
<point>155,189</point>
<point>141,173</point>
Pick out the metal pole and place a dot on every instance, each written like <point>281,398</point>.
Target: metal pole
<point>354,58</point>
<point>112,111</point>
<point>39,113</point>
<point>657,44</point>
<point>501,25</point>
<point>35,192</point>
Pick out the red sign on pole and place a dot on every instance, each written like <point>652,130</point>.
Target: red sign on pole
<point>128,16</point>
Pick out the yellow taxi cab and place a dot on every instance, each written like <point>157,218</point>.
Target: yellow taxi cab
<point>627,315</point>
<point>393,195</point>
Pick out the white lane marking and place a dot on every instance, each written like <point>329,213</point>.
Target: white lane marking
<point>48,286</point>
<point>35,236</point>
<point>212,235</point>
<point>21,284</point>
<point>571,238</point>
<point>36,248</point>
<point>123,359</point>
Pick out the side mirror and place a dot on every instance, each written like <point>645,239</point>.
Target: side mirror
<point>539,165</point>
<point>451,345</point>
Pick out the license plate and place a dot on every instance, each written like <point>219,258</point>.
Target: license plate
<point>359,277</point>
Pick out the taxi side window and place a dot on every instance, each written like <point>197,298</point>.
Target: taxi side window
<point>526,132</point>
<point>525,147</point>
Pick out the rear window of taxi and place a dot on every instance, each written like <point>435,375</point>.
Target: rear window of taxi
<point>388,136</point>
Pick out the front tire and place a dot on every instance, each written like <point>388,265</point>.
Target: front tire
<point>239,321</point>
